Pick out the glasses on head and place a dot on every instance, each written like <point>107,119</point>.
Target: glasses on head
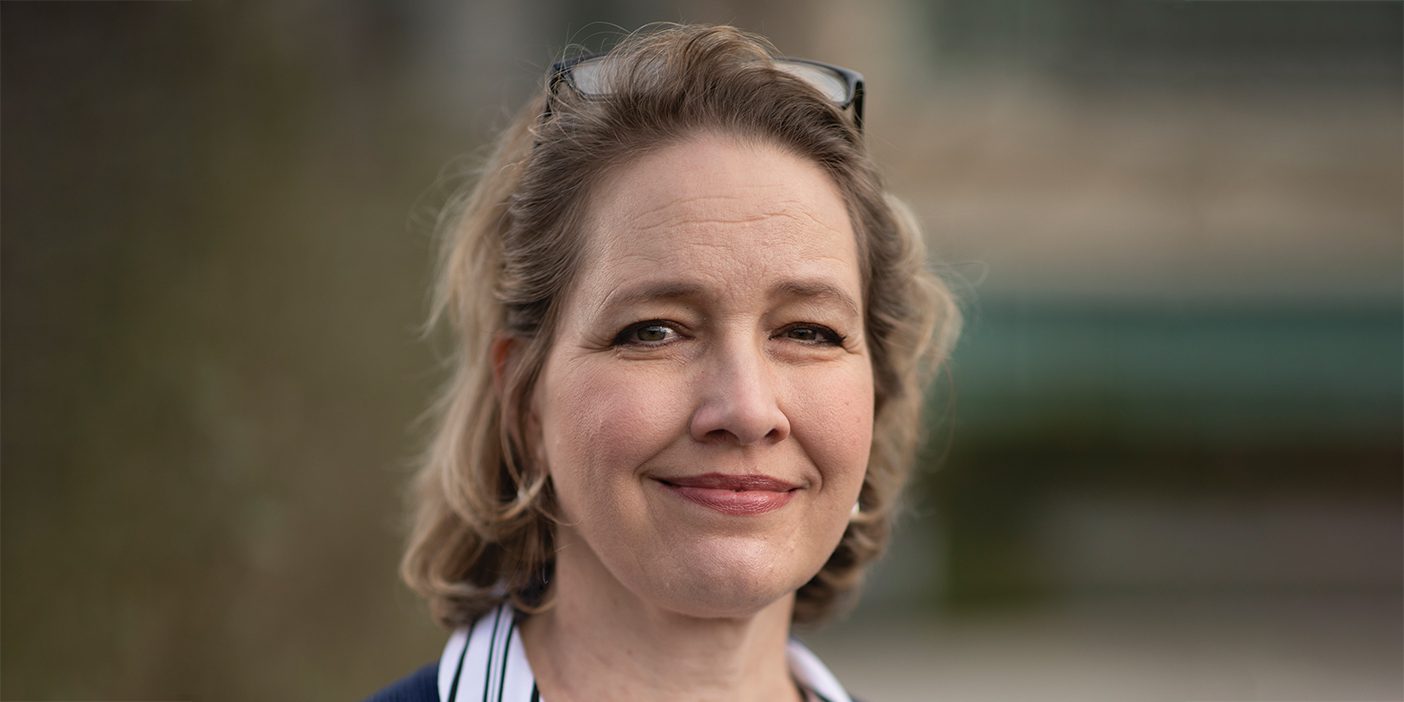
<point>588,75</point>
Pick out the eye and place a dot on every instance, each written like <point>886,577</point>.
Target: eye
<point>815,334</point>
<point>650,333</point>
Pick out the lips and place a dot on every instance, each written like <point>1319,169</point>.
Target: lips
<point>738,495</point>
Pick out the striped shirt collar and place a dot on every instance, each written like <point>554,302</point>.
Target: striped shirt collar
<point>486,663</point>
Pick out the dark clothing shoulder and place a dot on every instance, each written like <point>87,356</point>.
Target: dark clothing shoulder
<point>419,686</point>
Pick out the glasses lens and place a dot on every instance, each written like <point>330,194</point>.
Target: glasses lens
<point>592,77</point>
<point>830,83</point>
<point>588,76</point>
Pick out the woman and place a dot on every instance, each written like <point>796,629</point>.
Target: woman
<point>693,333</point>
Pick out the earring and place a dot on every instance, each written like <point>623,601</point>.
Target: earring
<point>855,512</point>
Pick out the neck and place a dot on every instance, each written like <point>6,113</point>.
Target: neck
<point>598,640</point>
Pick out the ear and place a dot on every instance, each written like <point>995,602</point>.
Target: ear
<point>502,350</point>
<point>506,351</point>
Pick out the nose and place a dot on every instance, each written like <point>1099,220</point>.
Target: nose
<point>738,401</point>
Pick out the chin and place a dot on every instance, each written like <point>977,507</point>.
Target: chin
<point>720,600</point>
<point>733,584</point>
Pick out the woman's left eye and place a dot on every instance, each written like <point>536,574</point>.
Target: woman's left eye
<point>812,334</point>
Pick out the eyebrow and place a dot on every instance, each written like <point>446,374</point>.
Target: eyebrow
<point>801,289</point>
<point>817,290</point>
<point>651,293</point>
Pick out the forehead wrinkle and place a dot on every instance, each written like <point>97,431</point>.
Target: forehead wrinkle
<point>662,214</point>
<point>701,210</point>
<point>801,213</point>
<point>622,261</point>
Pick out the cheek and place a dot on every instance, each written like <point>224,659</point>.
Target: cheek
<point>835,419</point>
<point>601,424</point>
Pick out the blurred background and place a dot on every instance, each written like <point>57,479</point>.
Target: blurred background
<point>1165,463</point>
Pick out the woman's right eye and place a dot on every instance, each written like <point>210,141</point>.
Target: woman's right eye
<point>653,333</point>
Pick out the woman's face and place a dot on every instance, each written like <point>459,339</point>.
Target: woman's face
<point>706,410</point>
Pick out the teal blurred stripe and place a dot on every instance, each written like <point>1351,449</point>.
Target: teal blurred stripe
<point>1219,371</point>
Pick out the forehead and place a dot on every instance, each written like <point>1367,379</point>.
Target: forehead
<point>713,203</point>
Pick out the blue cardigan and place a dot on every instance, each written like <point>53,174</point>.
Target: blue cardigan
<point>419,686</point>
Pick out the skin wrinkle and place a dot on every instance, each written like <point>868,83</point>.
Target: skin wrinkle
<point>811,295</point>
<point>607,298</point>
<point>646,261</point>
<point>666,208</point>
<point>800,217</point>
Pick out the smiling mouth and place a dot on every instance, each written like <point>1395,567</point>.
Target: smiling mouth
<point>736,495</point>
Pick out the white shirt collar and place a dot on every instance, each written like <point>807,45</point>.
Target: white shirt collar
<point>486,663</point>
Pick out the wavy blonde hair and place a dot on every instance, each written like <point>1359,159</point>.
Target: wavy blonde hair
<point>510,246</point>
